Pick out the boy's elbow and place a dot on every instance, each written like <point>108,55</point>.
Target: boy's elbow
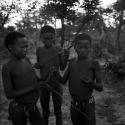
<point>64,81</point>
<point>37,65</point>
<point>62,67</point>
<point>99,88</point>
<point>9,96</point>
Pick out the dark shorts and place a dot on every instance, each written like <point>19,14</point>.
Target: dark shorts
<point>20,114</point>
<point>83,113</point>
<point>56,93</point>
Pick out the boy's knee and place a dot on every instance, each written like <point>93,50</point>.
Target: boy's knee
<point>46,113</point>
<point>58,112</point>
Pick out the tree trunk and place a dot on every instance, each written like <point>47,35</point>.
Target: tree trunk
<point>119,31</point>
<point>62,32</point>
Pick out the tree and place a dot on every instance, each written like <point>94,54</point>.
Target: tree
<point>63,10</point>
<point>5,11</point>
<point>89,15</point>
<point>119,6</point>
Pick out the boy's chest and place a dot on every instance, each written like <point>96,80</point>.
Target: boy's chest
<point>21,69</point>
<point>82,68</point>
<point>48,56</point>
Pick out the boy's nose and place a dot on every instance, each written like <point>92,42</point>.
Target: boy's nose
<point>24,50</point>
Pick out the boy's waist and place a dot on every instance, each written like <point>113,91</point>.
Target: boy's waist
<point>27,107</point>
<point>24,104</point>
<point>52,77</point>
<point>82,102</point>
<point>28,99</point>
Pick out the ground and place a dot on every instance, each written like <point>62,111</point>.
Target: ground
<point>110,105</point>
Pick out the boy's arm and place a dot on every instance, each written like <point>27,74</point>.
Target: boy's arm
<point>63,59</point>
<point>97,74</point>
<point>37,54</point>
<point>37,65</point>
<point>8,87</point>
<point>65,77</point>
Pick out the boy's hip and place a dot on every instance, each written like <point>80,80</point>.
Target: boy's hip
<point>51,86</point>
<point>27,109</point>
<point>85,108</point>
<point>77,102</point>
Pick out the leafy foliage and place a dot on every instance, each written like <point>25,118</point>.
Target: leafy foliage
<point>119,5</point>
<point>90,6</point>
<point>116,68</point>
<point>5,11</point>
<point>61,9</point>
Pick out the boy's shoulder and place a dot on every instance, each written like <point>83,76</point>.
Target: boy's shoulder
<point>94,63</point>
<point>39,48</point>
<point>91,62</point>
<point>43,48</point>
<point>8,65</point>
<point>73,60</point>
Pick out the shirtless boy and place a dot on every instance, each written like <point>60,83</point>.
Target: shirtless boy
<point>84,76</point>
<point>20,82</point>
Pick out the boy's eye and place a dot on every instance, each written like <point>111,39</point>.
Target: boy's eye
<point>84,45</point>
<point>24,47</point>
<point>48,38</point>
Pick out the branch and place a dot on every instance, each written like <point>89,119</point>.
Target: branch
<point>86,19</point>
<point>7,16</point>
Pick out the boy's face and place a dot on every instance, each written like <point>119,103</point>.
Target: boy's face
<point>82,48</point>
<point>48,39</point>
<point>19,48</point>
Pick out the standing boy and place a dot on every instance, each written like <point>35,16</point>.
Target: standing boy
<point>20,82</point>
<point>84,75</point>
<point>49,61</point>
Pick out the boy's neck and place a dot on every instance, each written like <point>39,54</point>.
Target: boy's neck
<point>47,47</point>
<point>16,58</point>
<point>82,58</point>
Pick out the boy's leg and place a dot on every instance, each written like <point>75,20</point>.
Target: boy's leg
<point>44,100</point>
<point>35,117</point>
<point>17,115</point>
<point>74,114</point>
<point>90,111</point>
<point>57,102</point>
<point>83,116</point>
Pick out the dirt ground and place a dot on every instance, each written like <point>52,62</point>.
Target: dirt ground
<point>110,106</point>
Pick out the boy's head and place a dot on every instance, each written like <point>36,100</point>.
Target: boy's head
<point>82,45</point>
<point>16,43</point>
<point>47,35</point>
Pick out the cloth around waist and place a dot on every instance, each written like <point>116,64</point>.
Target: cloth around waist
<point>76,101</point>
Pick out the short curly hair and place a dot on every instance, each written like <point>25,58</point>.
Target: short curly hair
<point>47,29</point>
<point>83,36</point>
<point>11,37</point>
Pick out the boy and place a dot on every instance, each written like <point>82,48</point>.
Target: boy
<point>49,60</point>
<point>20,82</point>
<point>84,76</point>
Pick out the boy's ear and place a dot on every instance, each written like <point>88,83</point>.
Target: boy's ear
<point>10,47</point>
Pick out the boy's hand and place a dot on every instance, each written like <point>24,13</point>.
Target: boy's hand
<point>98,87</point>
<point>88,82</point>
<point>40,85</point>
<point>36,65</point>
<point>66,52</point>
